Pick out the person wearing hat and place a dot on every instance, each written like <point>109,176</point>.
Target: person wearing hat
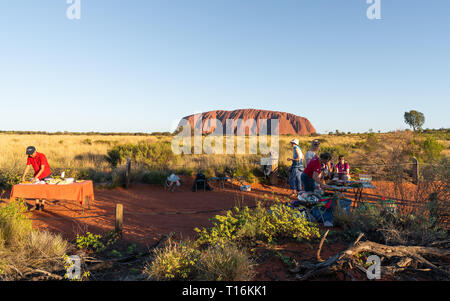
<point>312,153</point>
<point>41,170</point>
<point>295,181</point>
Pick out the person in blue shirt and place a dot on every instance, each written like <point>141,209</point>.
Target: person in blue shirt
<point>296,169</point>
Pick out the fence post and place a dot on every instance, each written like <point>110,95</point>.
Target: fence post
<point>127,173</point>
<point>119,218</point>
<point>415,170</point>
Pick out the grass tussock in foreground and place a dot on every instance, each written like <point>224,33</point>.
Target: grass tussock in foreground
<point>182,261</point>
<point>24,250</point>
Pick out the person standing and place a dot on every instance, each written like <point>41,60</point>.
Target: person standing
<point>295,181</point>
<point>312,152</point>
<point>41,170</point>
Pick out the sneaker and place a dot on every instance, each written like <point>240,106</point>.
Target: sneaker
<point>328,224</point>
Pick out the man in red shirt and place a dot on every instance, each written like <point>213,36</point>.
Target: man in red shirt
<point>41,170</point>
<point>313,172</point>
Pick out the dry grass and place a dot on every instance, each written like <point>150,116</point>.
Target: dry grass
<point>64,151</point>
<point>88,151</point>
<point>226,263</point>
<point>24,250</point>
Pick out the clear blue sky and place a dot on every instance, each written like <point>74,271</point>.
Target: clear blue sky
<point>141,65</point>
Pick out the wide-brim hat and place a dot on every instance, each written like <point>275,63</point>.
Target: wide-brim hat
<point>295,141</point>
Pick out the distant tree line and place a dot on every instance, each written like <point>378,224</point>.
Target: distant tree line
<point>84,133</point>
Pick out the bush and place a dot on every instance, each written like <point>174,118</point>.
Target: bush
<point>155,155</point>
<point>432,149</point>
<point>176,261</point>
<point>259,223</point>
<point>335,151</point>
<point>226,263</point>
<point>9,178</point>
<point>155,177</point>
<point>380,224</point>
<point>23,249</point>
<point>90,241</point>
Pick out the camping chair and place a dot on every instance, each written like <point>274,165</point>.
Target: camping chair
<point>197,181</point>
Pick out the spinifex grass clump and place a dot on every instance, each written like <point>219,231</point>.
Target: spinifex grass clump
<point>176,261</point>
<point>259,223</point>
<point>23,249</point>
<point>185,261</point>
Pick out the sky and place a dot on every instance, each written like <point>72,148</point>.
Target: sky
<point>142,65</point>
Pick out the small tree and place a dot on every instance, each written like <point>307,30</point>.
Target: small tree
<point>415,119</point>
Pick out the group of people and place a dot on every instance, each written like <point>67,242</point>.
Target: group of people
<point>309,172</point>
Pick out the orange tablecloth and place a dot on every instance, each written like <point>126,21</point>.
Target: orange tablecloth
<point>68,192</point>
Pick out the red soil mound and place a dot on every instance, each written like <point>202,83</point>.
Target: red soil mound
<point>288,123</point>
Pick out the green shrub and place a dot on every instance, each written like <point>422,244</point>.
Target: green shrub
<point>90,241</point>
<point>259,223</point>
<point>335,151</point>
<point>155,177</point>
<point>9,178</point>
<point>432,149</point>
<point>155,155</point>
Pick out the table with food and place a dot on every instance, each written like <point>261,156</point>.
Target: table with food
<point>67,189</point>
<point>357,186</point>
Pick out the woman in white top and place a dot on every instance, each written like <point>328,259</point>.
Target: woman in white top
<point>315,144</point>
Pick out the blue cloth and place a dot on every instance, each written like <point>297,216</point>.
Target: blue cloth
<point>322,214</point>
<point>299,163</point>
<point>295,181</point>
<point>308,183</point>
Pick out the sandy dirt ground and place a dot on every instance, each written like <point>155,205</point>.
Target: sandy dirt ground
<point>150,211</point>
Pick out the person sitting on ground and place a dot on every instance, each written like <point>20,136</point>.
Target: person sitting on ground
<point>295,181</point>
<point>173,181</point>
<point>343,169</point>
<point>41,170</point>
<point>312,153</point>
<point>313,173</point>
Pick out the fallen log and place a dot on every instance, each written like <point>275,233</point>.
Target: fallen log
<point>409,259</point>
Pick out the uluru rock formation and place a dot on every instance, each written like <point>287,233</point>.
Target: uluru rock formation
<point>288,123</point>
